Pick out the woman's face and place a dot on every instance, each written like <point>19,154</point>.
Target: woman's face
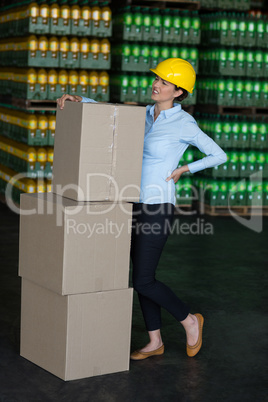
<point>164,91</point>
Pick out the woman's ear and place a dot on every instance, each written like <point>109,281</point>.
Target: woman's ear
<point>178,92</point>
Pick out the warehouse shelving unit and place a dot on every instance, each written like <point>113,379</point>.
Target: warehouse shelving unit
<point>134,51</point>
<point>47,48</point>
<point>233,59</point>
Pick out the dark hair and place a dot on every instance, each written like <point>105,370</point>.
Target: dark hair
<point>183,95</point>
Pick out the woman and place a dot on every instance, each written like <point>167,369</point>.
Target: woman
<point>168,132</point>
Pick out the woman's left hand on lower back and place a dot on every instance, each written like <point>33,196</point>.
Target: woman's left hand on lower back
<point>176,174</point>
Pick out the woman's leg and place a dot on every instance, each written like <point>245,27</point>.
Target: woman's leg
<point>149,235</point>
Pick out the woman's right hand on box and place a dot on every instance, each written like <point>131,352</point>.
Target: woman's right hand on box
<point>72,98</point>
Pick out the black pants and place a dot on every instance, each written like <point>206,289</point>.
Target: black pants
<point>150,230</point>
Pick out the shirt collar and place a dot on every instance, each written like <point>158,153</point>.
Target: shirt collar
<point>169,112</point>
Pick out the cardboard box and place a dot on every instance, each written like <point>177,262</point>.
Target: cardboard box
<point>76,336</point>
<point>74,247</point>
<point>98,151</point>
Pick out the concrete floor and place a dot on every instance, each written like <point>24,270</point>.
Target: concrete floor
<point>223,276</point>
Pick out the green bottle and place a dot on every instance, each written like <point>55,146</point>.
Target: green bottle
<point>260,29</point>
<point>265,64</point>
<point>124,83</point>
<point>137,19</point>
<point>262,135</point>
<point>243,160</point>
<point>248,89</point>
<point>249,63</point>
<point>231,59</point>
<point>232,191</point>
<point>224,24</point>
<point>127,18</point>
<point>174,51</point>
<point>257,101</point>
<point>234,157</point>
<point>221,88</point>
<point>143,85</point>
<point>164,52</point>
<point>252,156</point>
<point>216,33</point>
<point>258,63</point>
<point>223,190</point>
<point>241,57</point>
<point>230,91</point>
<point>155,55</point>
<point>227,132</point>
<point>151,80</point>
<point>177,192</point>
<point>189,156</point>
<point>241,195</point>
<point>260,160</point>
<point>145,52</point>
<point>265,192</point>
<point>213,192</point>
<point>136,52</point>
<point>252,159</point>
<point>222,60</point>
<point>253,129</point>
<point>235,130</point>
<point>244,135</point>
<point>195,27</point>
<point>251,31</point>
<point>156,20</point>
<point>264,93</point>
<point>186,24</point>
<point>126,50</point>
<point>167,21</point>
<point>134,84</point>
<point>147,20</point>
<point>177,24</point>
<point>233,29</point>
<point>249,192</point>
<point>266,32</point>
<point>243,157</point>
<point>184,53</point>
<point>242,28</point>
<point>218,134</point>
<point>239,92</point>
<point>225,166</point>
<point>193,56</point>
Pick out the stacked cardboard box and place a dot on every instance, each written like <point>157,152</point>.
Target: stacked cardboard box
<point>75,244</point>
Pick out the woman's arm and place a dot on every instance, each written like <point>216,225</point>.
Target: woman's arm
<point>73,98</point>
<point>195,136</point>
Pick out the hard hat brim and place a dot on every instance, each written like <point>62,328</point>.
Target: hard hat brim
<point>164,78</point>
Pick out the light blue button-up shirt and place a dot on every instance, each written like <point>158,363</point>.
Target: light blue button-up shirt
<point>165,141</point>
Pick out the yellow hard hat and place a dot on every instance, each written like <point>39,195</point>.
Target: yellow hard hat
<point>177,71</point>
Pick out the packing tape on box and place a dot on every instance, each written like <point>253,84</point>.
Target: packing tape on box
<point>114,147</point>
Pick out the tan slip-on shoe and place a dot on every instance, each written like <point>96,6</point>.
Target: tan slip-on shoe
<point>193,350</point>
<point>137,355</point>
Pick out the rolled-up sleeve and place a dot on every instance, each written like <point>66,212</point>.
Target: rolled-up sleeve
<point>215,155</point>
<point>87,100</point>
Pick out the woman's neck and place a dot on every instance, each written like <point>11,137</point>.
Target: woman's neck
<point>161,106</point>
